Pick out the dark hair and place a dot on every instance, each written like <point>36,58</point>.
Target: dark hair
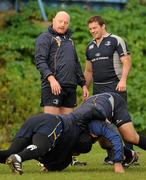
<point>84,143</point>
<point>98,19</point>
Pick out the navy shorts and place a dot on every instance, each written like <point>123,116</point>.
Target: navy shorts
<point>108,87</point>
<point>67,98</point>
<point>121,114</point>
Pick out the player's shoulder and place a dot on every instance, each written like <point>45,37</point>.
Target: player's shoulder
<point>44,36</point>
<point>117,38</point>
<point>90,45</point>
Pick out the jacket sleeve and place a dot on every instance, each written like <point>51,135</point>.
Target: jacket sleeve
<point>100,128</point>
<point>42,47</point>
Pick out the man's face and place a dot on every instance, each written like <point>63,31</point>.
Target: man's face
<point>96,30</point>
<point>61,23</point>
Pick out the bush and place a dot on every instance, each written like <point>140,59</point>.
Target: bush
<point>19,80</point>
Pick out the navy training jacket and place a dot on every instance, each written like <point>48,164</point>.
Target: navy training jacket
<point>56,55</point>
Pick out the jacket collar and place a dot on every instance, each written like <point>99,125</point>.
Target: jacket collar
<point>67,33</point>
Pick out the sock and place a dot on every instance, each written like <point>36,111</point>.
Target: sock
<point>18,158</point>
<point>128,145</point>
<point>31,152</point>
<point>127,153</point>
<point>142,142</point>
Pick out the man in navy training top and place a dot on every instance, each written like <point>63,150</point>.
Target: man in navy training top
<point>108,62</point>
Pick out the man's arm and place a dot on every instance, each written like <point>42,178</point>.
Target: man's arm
<point>125,58</point>
<point>43,44</point>
<point>126,62</point>
<point>98,128</point>
<point>88,73</point>
<point>42,47</point>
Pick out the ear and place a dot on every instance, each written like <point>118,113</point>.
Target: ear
<point>103,26</point>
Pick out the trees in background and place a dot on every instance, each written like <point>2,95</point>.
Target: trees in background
<point>19,79</point>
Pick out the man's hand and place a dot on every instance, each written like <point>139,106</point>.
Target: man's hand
<point>118,168</point>
<point>121,85</point>
<point>55,86</point>
<point>85,92</point>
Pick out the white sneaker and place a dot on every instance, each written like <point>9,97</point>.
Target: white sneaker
<point>14,162</point>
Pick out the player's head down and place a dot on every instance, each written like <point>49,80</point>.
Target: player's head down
<point>84,143</point>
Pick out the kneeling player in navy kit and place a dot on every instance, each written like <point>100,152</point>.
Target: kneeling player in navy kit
<point>52,140</point>
<point>109,107</point>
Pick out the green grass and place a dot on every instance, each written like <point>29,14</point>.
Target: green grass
<point>94,170</point>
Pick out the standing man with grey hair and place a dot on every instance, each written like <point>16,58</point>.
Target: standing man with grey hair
<point>57,61</point>
<point>108,61</point>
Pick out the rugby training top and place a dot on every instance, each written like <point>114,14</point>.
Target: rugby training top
<point>105,58</point>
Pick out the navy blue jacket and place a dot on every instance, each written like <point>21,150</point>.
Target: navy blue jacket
<point>61,156</point>
<point>56,55</point>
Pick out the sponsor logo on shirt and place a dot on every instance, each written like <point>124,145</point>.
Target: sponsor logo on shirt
<point>99,58</point>
<point>91,46</point>
<point>97,54</point>
<point>108,43</point>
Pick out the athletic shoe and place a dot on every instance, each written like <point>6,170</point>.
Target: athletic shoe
<point>40,164</point>
<point>14,163</point>
<point>75,162</point>
<point>132,160</point>
<point>107,161</point>
<point>43,168</point>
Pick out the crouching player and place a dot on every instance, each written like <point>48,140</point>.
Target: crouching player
<point>52,140</point>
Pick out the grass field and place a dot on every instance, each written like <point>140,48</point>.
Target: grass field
<point>94,170</point>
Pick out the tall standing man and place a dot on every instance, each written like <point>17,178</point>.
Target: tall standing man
<point>108,61</point>
<point>57,61</point>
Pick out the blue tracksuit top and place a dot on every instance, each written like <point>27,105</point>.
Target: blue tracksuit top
<point>101,128</point>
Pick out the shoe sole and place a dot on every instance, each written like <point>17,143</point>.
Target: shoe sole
<point>9,162</point>
<point>79,163</point>
<point>134,160</point>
